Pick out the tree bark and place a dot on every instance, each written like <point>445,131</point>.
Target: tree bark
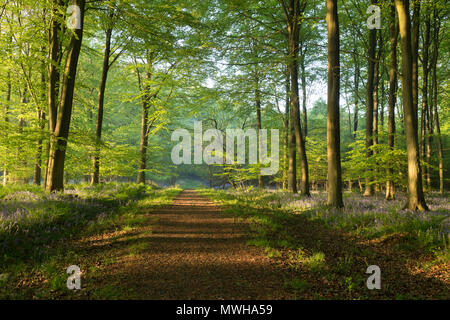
<point>303,76</point>
<point>393,33</point>
<point>425,127</point>
<point>287,133</point>
<point>144,122</point>
<point>436,29</point>
<point>295,11</point>
<point>38,164</point>
<point>41,126</point>
<point>376,99</point>
<point>415,59</point>
<point>356,85</point>
<point>258,122</point>
<point>292,174</point>
<point>60,119</point>
<point>376,103</point>
<point>416,200</point>
<point>101,100</point>
<point>8,101</point>
<point>333,128</point>
<point>369,190</point>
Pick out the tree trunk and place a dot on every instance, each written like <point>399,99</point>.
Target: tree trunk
<point>144,122</point>
<point>382,91</point>
<point>369,191</point>
<point>41,126</point>
<point>101,100</point>
<point>287,135</point>
<point>425,126</point>
<point>60,126</point>
<point>376,102</point>
<point>376,99</point>
<point>258,122</point>
<point>393,32</point>
<point>38,164</point>
<point>8,101</point>
<point>415,60</point>
<point>356,85</point>
<point>303,76</point>
<point>416,200</point>
<point>436,29</point>
<point>333,129</point>
<point>292,174</point>
<point>143,144</point>
<point>293,36</point>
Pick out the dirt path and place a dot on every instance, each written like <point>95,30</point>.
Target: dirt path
<point>192,250</point>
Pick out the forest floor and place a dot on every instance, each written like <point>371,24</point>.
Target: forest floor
<point>194,248</point>
<point>188,250</point>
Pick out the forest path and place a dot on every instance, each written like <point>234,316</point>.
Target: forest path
<point>193,250</point>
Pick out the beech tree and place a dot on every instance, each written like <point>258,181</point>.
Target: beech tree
<point>60,115</point>
<point>333,127</point>
<point>416,199</point>
<point>369,189</point>
<point>293,13</point>
<point>393,33</point>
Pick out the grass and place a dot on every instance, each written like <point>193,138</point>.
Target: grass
<point>108,292</point>
<point>421,231</point>
<point>276,218</point>
<point>137,248</point>
<point>296,284</point>
<point>39,233</point>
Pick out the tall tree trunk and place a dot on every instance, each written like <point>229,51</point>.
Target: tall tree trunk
<point>425,127</point>
<point>41,126</point>
<point>38,164</point>
<point>55,56</point>
<point>295,12</point>
<point>60,119</point>
<point>7,102</point>
<point>382,93</point>
<point>333,129</point>
<point>143,146</point>
<point>23,162</point>
<point>101,100</point>
<point>415,59</point>
<point>436,29</point>
<point>303,76</point>
<point>376,101</point>
<point>258,122</point>
<point>287,134</point>
<point>393,33</point>
<point>292,174</point>
<point>416,200</point>
<point>292,165</point>
<point>369,191</point>
<point>356,85</point>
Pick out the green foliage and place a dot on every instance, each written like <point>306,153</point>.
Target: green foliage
<point>358,166</point>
